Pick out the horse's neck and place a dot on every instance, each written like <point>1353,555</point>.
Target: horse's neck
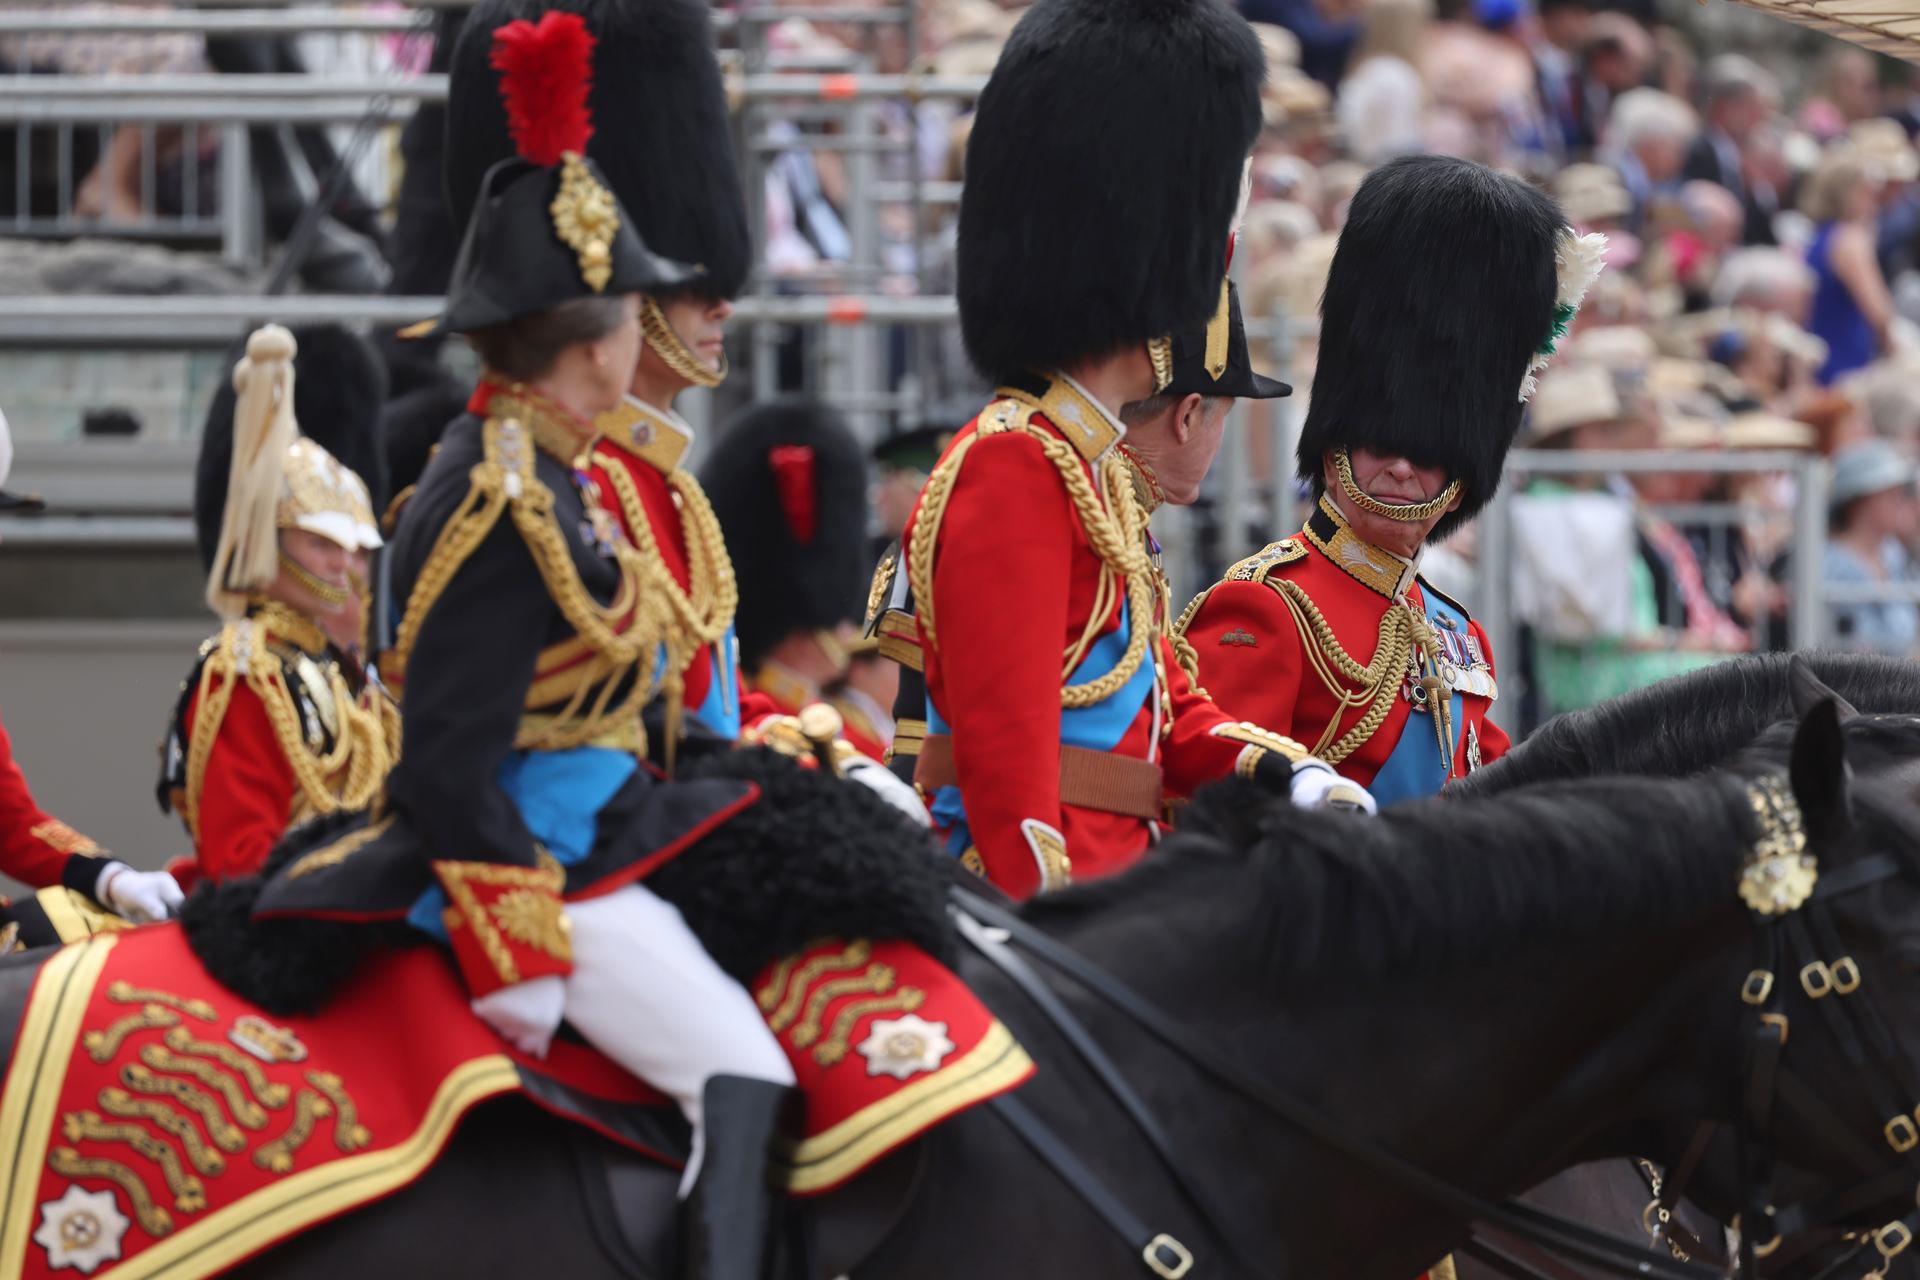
<point>1491,1076</point>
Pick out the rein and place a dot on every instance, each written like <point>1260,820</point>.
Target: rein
<point>1779,879</point>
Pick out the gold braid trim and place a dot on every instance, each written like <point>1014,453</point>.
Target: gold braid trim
<point>224,1134</point>
<point>347,777</point>
<point>101,1046</point>
<point>1116,529</point>
<point>308,1111</point>
<point>1401,630</point>
<point>126,993</point>
<point>244,1109</point>
<point>505,481</point>
<point>700,615</point>
<point>270,1092</point>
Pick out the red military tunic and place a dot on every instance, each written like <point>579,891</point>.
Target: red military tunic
<point>268,735</point>
<point>37,848</point>
<point>1028,565</point>
<point>663,511</point>
<point>1282,638</point>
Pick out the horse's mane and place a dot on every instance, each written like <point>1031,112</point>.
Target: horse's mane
<point>1324,895</point>
<point>1691,722</point>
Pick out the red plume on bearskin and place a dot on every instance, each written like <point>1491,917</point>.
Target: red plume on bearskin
<point>546,69</point>
<point>793,476</point>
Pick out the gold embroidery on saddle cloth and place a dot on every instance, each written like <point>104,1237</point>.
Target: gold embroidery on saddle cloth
<point>782,1013</point>
<point>625,634</point>
<point>101,1046</point>
<point>875,979</point>
<point>835,1046</point>
<point>69,1163</point>
<point>204,1159</point>
<point>348,1133</point>
<point>277,1156</point>
<point>271,1093</point>
<point>226,1135</point>
<point>188,1192</point>
<point>126,993</point>
<point>244,1109</point>
<point>1111,517</point>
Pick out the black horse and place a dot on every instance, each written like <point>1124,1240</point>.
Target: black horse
<point>1674,728</point>
<point>1492,990</point>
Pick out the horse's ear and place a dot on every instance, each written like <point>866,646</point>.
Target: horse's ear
<point>1808,690</point>
<point>1822,782</point>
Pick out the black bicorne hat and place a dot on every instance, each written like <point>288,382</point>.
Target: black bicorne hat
<point>667,150</point>
<point>1442,291</point>
<point>1213,360</point>
<point>547,228</point>
<point>788,482</point>
<point>1102,175</point>
<point>515,260</point>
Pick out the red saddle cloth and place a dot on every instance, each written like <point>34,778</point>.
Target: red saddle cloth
<point>152,1123</point>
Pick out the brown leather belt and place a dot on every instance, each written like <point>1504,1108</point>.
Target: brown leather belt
<point>1088,779</point>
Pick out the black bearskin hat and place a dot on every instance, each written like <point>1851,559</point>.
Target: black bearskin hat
<point>664,143</point>
<point>789,485</point>
<point>1102,174</point>
<point>339,387</point>
<point>1441,292</point>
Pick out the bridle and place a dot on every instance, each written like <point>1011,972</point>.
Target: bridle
<point>1799,959</point>
<point>1791,903</point>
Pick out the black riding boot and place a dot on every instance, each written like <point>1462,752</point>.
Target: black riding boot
<point>728,1216</point>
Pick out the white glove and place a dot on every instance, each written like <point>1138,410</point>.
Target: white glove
<point>1317,786</point>
<point>140,896</point>
<point>887,785</point>
<point>526,1014</point>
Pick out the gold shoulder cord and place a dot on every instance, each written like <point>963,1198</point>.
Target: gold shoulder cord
<point>504,480</point>
<point>1116,529</point>
<point>360,749</point>
<point>701,614</point>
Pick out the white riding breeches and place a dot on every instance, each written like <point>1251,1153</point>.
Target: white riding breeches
<point>646,993</point>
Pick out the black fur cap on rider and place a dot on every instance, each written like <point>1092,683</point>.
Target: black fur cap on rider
<point>339,387</point>
<point>1441,291</point>
<point>1102,176</point>
<point>815,857</point>
<point>788,482</point>
<point>663,142</point>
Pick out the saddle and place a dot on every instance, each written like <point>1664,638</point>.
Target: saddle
<point>159,1125</point>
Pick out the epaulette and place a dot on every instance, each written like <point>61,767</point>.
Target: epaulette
<point>889,621</point>
<point>1275,555</point>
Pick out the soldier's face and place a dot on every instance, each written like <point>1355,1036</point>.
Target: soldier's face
<point>701,324</point>
<point>1392,479</point>
<point>321,557</point>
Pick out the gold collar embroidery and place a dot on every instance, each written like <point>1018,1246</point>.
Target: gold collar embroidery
<point>785,686</point>
<point>658,437</point>
<point>1371,566</point>
<point>1081,419</point>
<point>290,625</point>
<point>556,430</point>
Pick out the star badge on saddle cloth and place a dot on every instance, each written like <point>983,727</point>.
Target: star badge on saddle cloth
<point>902,1047</point>
<point>82,1229</point>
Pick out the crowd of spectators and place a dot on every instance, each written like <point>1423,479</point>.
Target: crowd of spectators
<point>1760,192</point>
<point>1763,215</point>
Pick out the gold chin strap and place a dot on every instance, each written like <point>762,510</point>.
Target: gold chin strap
<point>330,594</point>
<point>1160,353</point>
<point>666,343</point>
<point>1408,512</point>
